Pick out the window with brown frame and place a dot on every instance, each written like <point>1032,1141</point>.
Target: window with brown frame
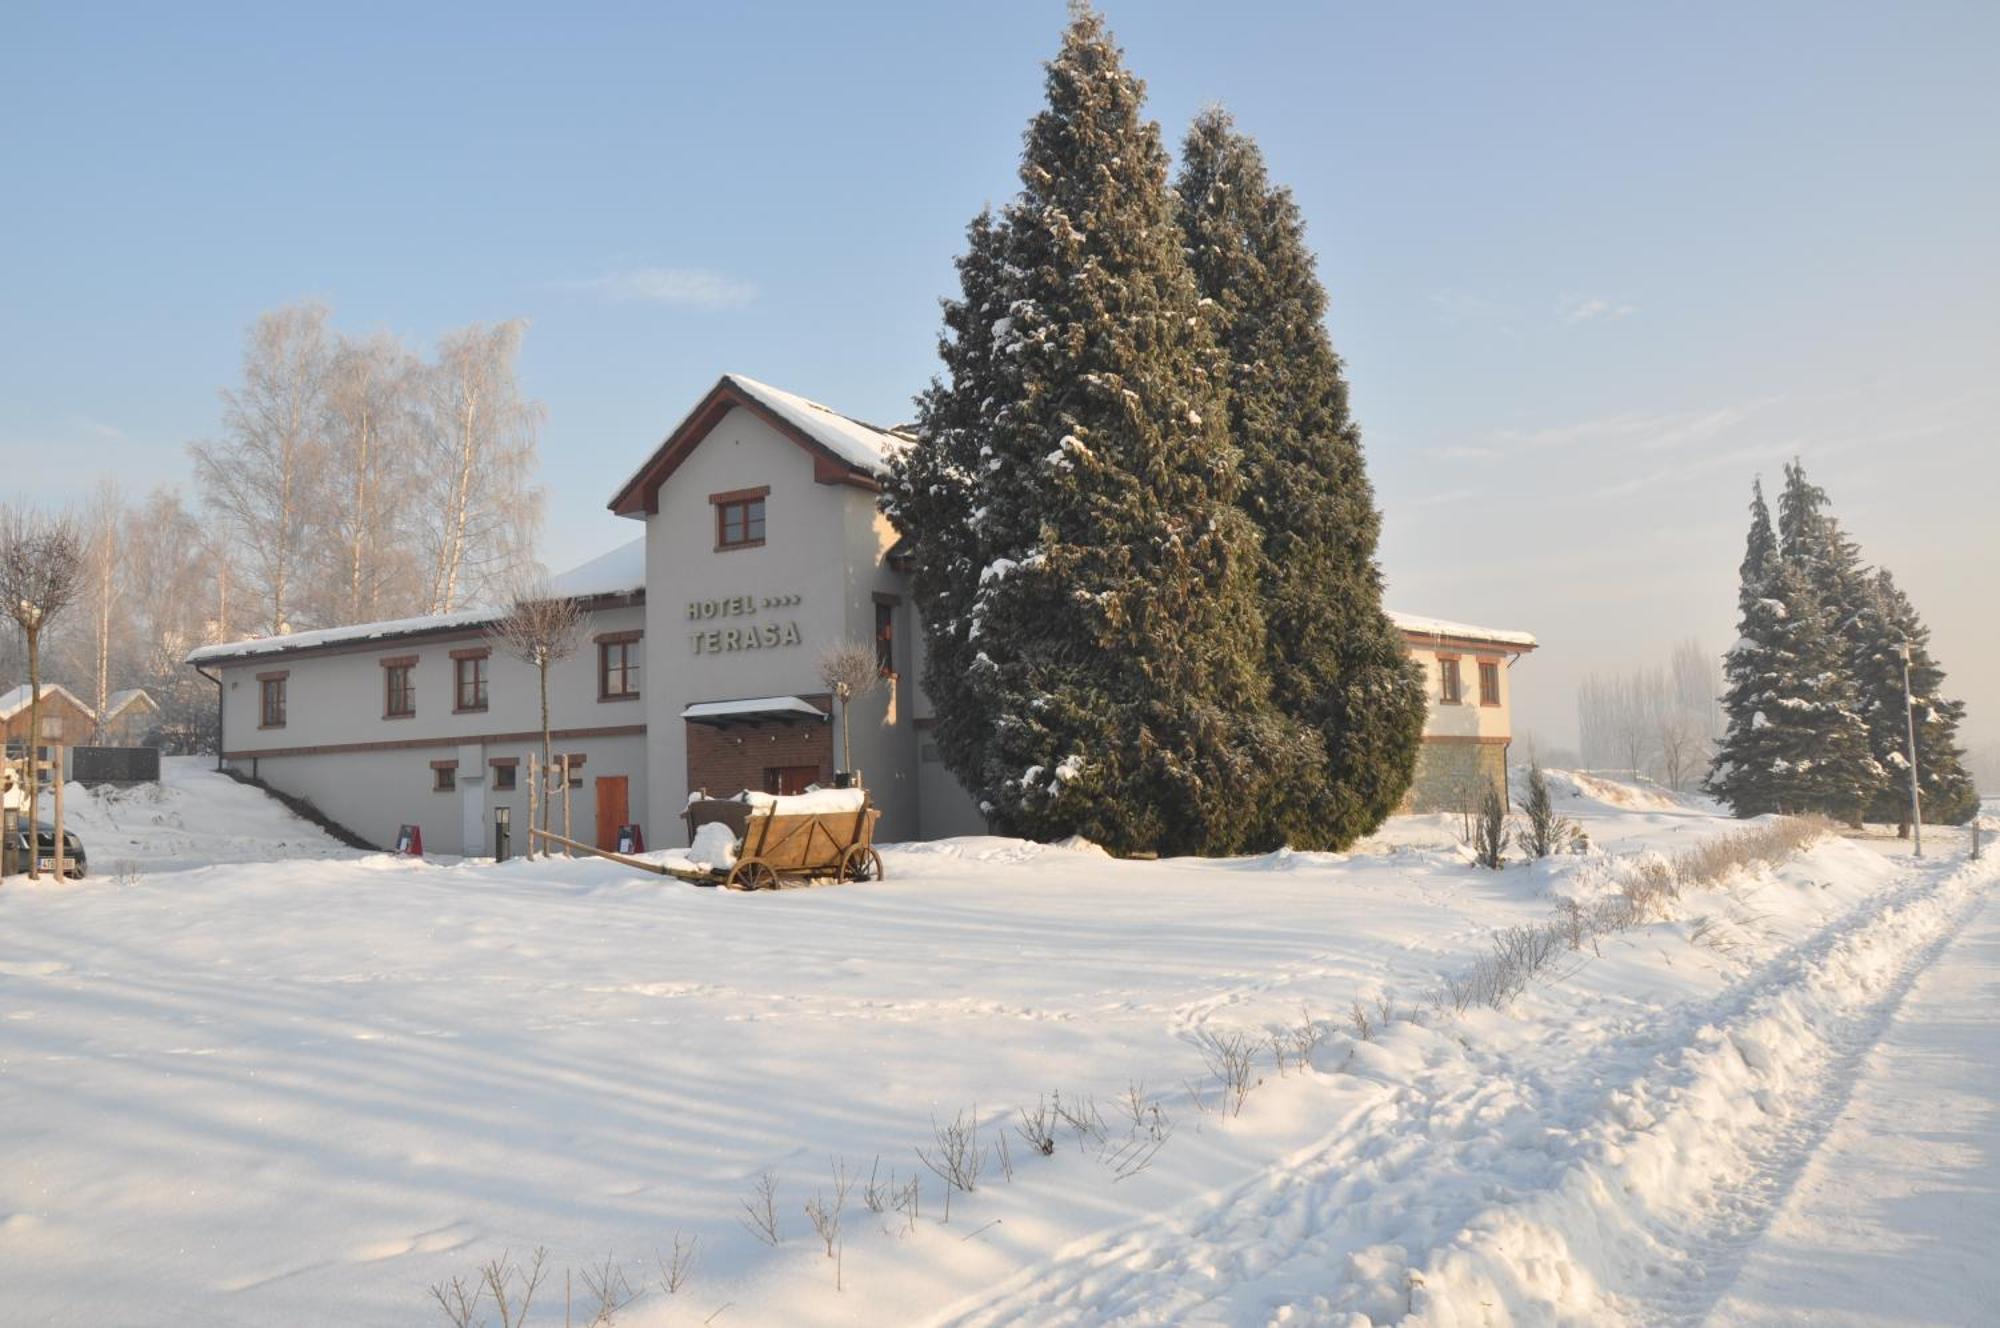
<point>503,778</point>
<point>1489,682</point>
<point>399,691</point>
<point>617,670</point>
<point>470,685</point>
<point>739,523</point>
<point>1450,688</point>
<point>271,702</point>
<point>444,776</point>
<point>575,770</point>
<point>885,639</point>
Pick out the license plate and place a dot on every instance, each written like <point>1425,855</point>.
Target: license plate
<point>48,864</point>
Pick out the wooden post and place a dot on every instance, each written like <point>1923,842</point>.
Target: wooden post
<point>62,867</point>
<point>534,789</point>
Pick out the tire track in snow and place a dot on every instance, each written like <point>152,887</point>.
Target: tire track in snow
<point>1422,1204</point>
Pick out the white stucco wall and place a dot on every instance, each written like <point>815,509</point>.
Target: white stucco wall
<point>1469,718</point>
<point>372,773</point>
<point>819,569</point>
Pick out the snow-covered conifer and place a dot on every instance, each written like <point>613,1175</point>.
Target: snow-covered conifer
<point>1337,665</point>
<point>1888,619</point>
<point>1098,607</point>
<point>1796,740</point>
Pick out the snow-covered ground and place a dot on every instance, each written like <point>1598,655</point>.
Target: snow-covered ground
<point>305,1089</point>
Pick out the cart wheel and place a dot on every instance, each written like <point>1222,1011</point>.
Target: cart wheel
<point>860,863</point>
<point>752,875</point>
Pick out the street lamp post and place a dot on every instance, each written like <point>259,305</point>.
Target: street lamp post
<point>1910,732</point>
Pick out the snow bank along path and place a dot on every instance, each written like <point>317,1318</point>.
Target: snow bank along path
<point>1893,1220</point>
<point>304,1090</point>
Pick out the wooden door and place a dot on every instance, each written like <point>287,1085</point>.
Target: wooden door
<point>786,780</point>
<point>613,809</point>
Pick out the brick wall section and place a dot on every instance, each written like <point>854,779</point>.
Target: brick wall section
<point>1446,771</point>
<point>726,760</point>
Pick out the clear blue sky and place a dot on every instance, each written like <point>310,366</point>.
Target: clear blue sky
<point>1592,266</point>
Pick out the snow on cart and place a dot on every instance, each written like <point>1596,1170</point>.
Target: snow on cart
<point>760,841</point>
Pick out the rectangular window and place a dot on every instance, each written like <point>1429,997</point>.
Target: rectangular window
<point>1450,690</point>
<point>399,692</point>
<point>471,684</point>
<point>503,778</point>
<point>617,670</point>
<point>271,703</point>
<point>739,523</point>
<point>575,771</point>
<point>885,638</point>
<point>1489,683</point>
<point>444,776</point>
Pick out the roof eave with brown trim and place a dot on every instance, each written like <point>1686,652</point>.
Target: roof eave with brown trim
<point>641,495</point>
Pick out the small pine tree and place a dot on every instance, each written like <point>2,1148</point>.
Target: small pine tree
<point>1098,599</point>
<point>1338,666</point>
<point>1886,622</point>
<point>1545,828</point>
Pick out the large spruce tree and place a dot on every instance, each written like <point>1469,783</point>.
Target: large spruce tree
<point>1887,621</point>
<point>1740,774</point>
<point>1337,665</point>
<point>1796,741</point>
<point>1098,603</point>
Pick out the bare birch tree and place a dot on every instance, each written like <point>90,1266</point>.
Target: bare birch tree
<point>264,477</point>
<point>104,586</point>
<point>539,628</point>
<point>41,575</point>
<point>479,455</point>
<point>370,414</point>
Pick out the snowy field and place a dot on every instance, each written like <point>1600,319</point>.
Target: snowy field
<point>302,1085</point>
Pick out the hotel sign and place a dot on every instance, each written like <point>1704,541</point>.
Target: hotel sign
<point>731,634</point>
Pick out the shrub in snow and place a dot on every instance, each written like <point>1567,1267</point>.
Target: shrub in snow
<point>760,1210</point>
<point>1491,835</point>
<point>956,1156</point>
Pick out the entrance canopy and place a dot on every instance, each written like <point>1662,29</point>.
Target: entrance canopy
<point>755,710</point>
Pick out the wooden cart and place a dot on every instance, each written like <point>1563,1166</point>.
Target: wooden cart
<point>773,847</point>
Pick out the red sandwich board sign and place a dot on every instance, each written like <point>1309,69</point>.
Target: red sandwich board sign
<point>410,841</point>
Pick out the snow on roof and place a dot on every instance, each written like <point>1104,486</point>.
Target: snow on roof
<point>131,696</point>
<point>619,572</point>
<point>1418,624</point>
<point>756,705</point>
<point>853,441</point>
<point>326,636</point>
<point>14,702</point>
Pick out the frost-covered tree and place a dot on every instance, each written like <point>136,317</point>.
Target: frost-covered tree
<point>1796,741</point>
<point>1886,620</point>
<point>1741,773</point>
<point>1101,598</point>
<point>1338,666</point>
<point>934,488</point>
<point>264,479</point>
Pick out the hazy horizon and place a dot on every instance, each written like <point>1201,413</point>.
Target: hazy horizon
<point>1591,271</point>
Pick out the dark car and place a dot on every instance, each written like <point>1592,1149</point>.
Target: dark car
<point>15,851</point>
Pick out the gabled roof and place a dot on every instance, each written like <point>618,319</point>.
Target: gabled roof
<point>1413,624</point>
<point>119,702</point>
<point>844,450</point>
<point>16,701</point>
